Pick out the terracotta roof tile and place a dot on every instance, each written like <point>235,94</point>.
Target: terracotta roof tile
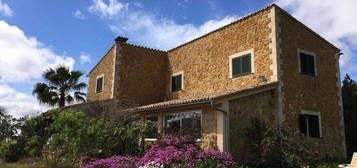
<point>196,98</point>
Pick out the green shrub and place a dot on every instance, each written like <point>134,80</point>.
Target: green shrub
<point>76,135</point>
<point>275,146</point>
<point>13,153</point>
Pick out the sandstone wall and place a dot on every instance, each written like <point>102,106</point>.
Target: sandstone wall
<point>320,93</point>
<point>140,76</point>
<point>261,106</point>
<point>104,67</point>
<point>205,61</point>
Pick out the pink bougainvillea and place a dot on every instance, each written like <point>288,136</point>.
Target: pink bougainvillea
<point>170,152</point>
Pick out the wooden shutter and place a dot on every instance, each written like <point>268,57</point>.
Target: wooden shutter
<point>99,84</point>
<point>307,64</point>
<point>176,83</point>
<point>314,126</point>
<point>303,124</point>
<point>236,66</point>
<point>246,64</point>
<point>241,65</point>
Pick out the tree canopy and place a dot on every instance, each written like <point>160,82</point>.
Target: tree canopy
<point>349,96</point>
<point>60,82</point>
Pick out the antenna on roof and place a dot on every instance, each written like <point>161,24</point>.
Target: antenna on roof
<point>121,39</point>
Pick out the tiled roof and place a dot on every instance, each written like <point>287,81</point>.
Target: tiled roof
<point>197,98</point>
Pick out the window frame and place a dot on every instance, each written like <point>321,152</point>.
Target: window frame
<point>192,111</point>
<point>240,54</point>
<point>96,83</point>
<point>299,51</point>
<point>182,81</point>
<point>158,123</point>
<point>313,113</point>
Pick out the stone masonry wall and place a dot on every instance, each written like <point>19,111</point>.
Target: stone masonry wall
<point>318,93</point>
<point>261,106</point>
<point>141,79</point>
<point>105,67</point>
<point>205,61</point>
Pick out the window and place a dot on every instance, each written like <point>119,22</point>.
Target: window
<point>99,84</point>
<point>310,125</point>
<point>187,123</point>
<point>241,64</point>
<point>152,132</point>
<point>307,63</point>
<point>176,82</point>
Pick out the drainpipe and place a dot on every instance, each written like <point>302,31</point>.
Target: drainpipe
<point>225,126</point>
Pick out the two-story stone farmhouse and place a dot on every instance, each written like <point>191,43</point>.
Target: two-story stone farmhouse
<point>266,65</point>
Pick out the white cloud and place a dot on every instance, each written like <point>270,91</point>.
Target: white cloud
<point>78,14</point>
<point>24,58</point>
<point>107,10</point>
<point>5,9</point>
<point>333,19</point>
<point>84,58</point>
<point>151,30</point>
<point>18,104</point>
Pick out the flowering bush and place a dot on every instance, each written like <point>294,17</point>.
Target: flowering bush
<point>171,152</point>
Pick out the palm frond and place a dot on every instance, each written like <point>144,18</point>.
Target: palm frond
<point>79,86</point>
<point>79,96</point>
<point>69,99</point>
<point>44,94</point>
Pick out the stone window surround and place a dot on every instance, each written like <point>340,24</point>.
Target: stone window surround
<point>315,113</point>
<point>182,80</point>
<point>96,80</point>
<point>250,51</point>
<point>299,50</point>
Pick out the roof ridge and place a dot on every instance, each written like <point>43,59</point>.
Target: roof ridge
<point>148,48</point>
<point>225,26</point>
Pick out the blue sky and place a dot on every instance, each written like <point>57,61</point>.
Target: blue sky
<point>35,35</point>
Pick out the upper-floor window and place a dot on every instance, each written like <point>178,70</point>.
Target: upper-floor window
<point>241,64</point>
<point>309,124</point>
<point>177,82</point>
<point>99,84</point>
<point>307,62</point>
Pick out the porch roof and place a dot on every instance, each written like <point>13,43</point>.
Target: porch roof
<point>197,99</point>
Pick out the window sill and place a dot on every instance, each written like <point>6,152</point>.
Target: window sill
<point>150,139</point>
<point>237,76</point>
<point>308,74</point>
<point>176,91</point>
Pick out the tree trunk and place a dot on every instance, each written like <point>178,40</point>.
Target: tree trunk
<point>62,100</point>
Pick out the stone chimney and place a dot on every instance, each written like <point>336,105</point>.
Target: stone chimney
<point>121,39</point>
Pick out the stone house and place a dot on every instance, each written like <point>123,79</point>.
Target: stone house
<point>266,65</point>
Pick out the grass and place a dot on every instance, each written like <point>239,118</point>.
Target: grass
<point>29,163</point>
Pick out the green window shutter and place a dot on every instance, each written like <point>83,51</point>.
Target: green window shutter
<point>303,124</point>
<point>241,65</point>
<point>99,85</point>
<point>307,64</point>
<point>246,64</point>
<point>236,66</point>
<point>314,126</point>
<point>176,83</point>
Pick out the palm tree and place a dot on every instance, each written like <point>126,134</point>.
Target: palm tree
<point>2,112</point>
<point>60,82</point>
